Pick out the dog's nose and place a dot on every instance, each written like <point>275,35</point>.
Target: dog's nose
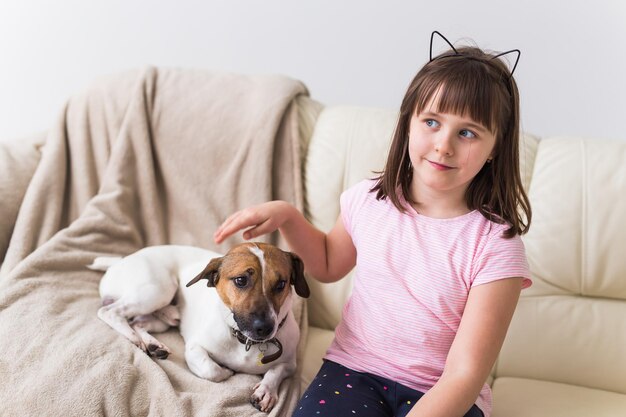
<point>262,328</point>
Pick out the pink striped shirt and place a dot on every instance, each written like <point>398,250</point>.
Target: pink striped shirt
<point>413,275</point>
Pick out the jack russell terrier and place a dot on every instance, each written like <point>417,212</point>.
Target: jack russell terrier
<point>243,322</point>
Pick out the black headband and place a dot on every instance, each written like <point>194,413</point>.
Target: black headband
<point>456,53</point>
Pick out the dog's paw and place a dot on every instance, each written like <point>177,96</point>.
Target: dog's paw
<point>215,373</point>
<point>263,399</point>
<point>140,344</point>
<point>201,364</point>
<point>158,351</point>
<point>222,374</point>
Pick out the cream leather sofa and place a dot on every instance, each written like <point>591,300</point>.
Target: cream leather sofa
<point>565,353</point>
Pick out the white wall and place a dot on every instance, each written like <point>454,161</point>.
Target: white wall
<point>572,74</point>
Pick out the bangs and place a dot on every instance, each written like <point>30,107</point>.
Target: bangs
<point>465,88</point>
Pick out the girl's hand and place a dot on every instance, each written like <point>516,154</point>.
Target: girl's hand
<point>327,258</point>
<point>258,220</point>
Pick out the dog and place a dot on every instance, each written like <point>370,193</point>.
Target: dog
<point>243,322</point>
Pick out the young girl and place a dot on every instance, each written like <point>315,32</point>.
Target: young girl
<point>436,242</point>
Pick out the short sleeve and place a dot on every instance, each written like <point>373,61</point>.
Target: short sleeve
<point>349,203</point>
<point>501,258</point>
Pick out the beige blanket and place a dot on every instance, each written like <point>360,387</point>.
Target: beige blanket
<point>142,158</point>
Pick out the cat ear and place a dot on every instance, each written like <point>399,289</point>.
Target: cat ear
<point>432,36</point>
<point>519,53</point>
<point>501,54</point>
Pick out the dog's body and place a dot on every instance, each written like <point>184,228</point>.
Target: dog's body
<point>243,322</point>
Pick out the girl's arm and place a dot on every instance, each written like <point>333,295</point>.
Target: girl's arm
<point>327,257</point>
<point>485,321</point>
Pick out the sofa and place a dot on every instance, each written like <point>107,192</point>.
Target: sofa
<point>565,352</point>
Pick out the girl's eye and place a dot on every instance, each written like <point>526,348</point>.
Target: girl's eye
<point>467,133</point>
<point>432,123</point>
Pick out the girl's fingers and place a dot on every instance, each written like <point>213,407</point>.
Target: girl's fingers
<point>238,221</point>
<point>227,223</point>
<point>258,230</point>
<point>223,231</point>
<point>221,228</point>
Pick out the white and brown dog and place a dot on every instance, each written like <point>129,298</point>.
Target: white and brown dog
<point>242,323</point>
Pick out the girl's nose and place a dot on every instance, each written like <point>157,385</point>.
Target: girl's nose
<point>443,143</point>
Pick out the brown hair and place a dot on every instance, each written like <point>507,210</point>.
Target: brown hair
<point>469,83</point>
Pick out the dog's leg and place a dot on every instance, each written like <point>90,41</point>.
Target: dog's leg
<point>201,364</point>
<point>116,315</point>
<point>265,393</point>
<point>168,314</point>
<point>149,323</point>
<point>144,292</point>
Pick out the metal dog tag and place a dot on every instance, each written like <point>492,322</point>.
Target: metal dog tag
<point>262,350</point>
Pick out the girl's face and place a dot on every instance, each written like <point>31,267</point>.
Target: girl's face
<point>447,151</point>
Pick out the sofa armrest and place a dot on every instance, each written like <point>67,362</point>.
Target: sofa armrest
<point>18,161</point>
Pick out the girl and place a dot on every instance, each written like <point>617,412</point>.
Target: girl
<point>435,238</point>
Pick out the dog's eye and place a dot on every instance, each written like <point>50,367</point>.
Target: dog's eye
<point>281,285</point>
<point>241,281</point>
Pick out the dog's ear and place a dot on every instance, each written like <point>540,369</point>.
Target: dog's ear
<point>210,273</point>
<point>297,276</point>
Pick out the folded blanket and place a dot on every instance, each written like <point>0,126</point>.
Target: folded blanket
<point>18,161</point>
<point>142,158</point>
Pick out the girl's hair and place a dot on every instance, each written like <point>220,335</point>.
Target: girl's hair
<point>469,83</point>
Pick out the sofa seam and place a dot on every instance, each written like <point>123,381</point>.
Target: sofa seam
<point>583,226</point>
<point>346,168</point>
<point>534,167</point>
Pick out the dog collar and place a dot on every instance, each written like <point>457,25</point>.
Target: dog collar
<point>264,359</point>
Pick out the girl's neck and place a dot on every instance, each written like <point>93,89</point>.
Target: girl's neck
<point>438,205</point>
<point>439,211</point>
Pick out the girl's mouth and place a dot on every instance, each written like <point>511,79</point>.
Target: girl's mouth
<point>438,166</point>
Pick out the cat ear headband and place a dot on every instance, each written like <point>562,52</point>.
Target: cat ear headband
<point>456,53</point>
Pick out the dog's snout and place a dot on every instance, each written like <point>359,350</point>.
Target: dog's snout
<point>262,327</point>
<point>256,326</point>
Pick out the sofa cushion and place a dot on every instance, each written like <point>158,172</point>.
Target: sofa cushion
<point>569,326</point>
<point>308,112</point>
<point>318,340</point>
<point>518,397</point>
<point>569,339</point>
<point>527,153</point>
<point>576,242</point>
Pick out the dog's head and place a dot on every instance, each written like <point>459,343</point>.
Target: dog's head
<point>254,281</point>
